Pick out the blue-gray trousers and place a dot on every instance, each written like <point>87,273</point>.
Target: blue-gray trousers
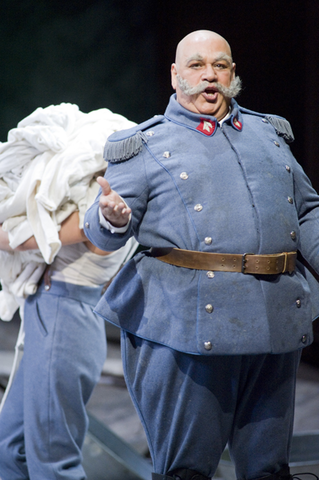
<point>192,406</point>
<point>43,422</point>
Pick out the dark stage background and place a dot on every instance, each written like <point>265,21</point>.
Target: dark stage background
<point>117,54</point>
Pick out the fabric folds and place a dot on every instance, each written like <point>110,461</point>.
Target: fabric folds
<point>48,168</point>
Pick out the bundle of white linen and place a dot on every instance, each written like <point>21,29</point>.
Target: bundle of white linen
<point>48,169</point>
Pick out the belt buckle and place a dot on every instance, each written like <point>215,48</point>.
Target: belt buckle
<point>243,261</point>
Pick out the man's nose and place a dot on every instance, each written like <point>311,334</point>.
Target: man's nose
<point>209,73</point>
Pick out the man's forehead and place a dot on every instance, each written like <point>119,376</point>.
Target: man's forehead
<point>215,57</point>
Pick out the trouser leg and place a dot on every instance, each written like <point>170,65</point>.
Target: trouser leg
<point>263,423</point>
<point>64,353</point>
<point>189,405</point>
<point>187,422</point>
<point>12,451</point>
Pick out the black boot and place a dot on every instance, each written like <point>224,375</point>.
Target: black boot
<point>282,474</point>
<point>180,474</point>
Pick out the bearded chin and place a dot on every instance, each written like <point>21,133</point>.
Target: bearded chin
<point>229,92</point>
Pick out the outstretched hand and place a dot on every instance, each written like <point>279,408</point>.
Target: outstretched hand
<point>112,206</point>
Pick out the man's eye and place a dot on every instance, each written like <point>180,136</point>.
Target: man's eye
<point>220,65</point>
<point>195,65</point>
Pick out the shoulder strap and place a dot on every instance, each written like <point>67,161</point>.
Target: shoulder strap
<point>282,127</point>
<point>125,144</point>
<point>280,124</point>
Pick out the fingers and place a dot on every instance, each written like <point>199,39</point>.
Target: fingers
<point>117,214</point>
<point>114,209</point>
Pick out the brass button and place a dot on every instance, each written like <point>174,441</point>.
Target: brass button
<point>298,303</point>
<point>265,120</point>
<point>303,339</point>
<point>150,133</point>
<point>290,200</point>
<point>184,176</point>
<point>208,345</point>
<point>198,207</point>
<point>166,154</point>
<point>210,274</point>
<point>208,240</point>
<point>277,144</point>
<point>293,235</point>
<point>287,168</point>
<point>87,225</point>
<point>209,308</point>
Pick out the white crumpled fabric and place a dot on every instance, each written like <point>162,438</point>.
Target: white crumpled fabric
<point>48,168</point>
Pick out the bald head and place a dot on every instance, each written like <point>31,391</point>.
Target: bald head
<point>197,38</point>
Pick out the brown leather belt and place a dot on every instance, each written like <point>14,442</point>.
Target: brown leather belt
<point>226,262</point>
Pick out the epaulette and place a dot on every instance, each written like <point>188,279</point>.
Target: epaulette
<point>125,144</point>
<point>280,124</point>
<point>282,127</point>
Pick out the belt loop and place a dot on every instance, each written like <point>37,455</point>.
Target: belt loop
<point>47,278</point>
<point>285,262</point>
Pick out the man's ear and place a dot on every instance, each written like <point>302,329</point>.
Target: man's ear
<point>233,70</point>
<point>173,76</point>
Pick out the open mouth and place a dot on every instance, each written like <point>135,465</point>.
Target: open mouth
<point>210,93</point>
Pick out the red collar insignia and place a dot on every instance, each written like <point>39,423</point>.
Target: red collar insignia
<point>237,124</point>
<point>206,126</point>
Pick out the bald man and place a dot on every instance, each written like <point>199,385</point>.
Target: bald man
<point>215,314</point>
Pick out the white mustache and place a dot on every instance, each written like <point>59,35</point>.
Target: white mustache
<point>230,92</point>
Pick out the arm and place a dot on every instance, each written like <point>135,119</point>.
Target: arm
<point>69,234</point>
<point>307,205</point>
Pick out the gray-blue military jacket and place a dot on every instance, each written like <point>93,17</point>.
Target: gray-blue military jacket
<point>196,185</point>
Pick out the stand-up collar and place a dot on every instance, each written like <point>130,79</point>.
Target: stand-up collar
<point>205,124</point>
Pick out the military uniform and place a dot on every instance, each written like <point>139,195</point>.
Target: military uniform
<point>233,188</point>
